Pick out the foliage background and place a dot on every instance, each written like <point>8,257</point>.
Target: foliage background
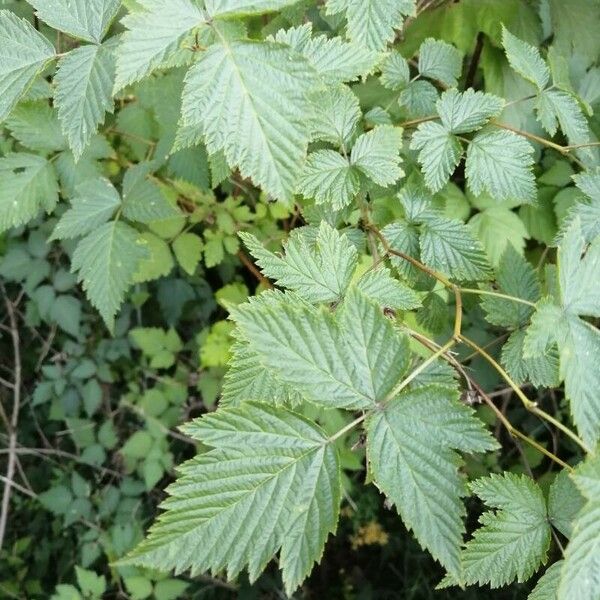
<point>97,430</point>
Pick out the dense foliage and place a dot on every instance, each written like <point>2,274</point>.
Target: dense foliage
<point>339,261</point>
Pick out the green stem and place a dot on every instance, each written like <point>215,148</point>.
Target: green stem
<point>527,403</point>
<point>400,386</point>
<point>497,295</point>
<point>347,428</point>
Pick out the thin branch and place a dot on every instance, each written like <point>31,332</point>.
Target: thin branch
<point>14,421</point>
<point>18,487</point>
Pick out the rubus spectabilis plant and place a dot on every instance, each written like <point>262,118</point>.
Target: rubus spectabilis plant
<point>351,112</point>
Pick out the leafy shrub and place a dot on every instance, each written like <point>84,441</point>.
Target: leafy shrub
<point>327,242</point>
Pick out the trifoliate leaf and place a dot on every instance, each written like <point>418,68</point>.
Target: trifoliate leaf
<point>440,60</point>
<point>84,84</point>
<point>371,22</point>
<point>27,185</point>
<point>376,154</point>
<point>499,162</point>
<point>578,340</point>
<point>379,285</point>
<point>336,113</point>
<point>328,177</point>
<point>580,573</point>
<point>498,229</point>
<point>84,19</point>
<point>153,35</point>
<point>554,108</point>
<point>448,246</point>
<point>319,272</point>
<point>236,92</point>
<point>525,59</point>
<point>286,498</point>
<point>439,153</point>
<point>513,541</point>
<point>333,59</point>
<point>410,448</point>
<point>95,202</point>
<point>395,73</point>
<point>106,261</point>
<point>515,277</point>
<point>24,52</point>
<point>462,112</point>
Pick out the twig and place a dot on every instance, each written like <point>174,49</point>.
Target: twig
<point>14,421</point>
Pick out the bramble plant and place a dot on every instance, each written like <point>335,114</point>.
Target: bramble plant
<point>418,185</point>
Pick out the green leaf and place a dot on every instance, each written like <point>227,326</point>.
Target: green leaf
<point>554,108</point>
<point>419,98</point>
<point>285,498</point>
<point>440,60</point>
<point>547,585</point>
<point>188,251</point>
<point>24,52</point>
<point>158,262</point>
<point>372,22</point>
<point>410,443</point>
<point>541,369</point>
<point>106,261</point>
<point>253,112</point>
<point>333,59</point>
<point>349,362</point>
<point>378,284</point>
<point>328,177</point>
<point>153,35</point>
<point>27,185</point>
<point>318,272</point>
<point>462,112</point>
<point>499,229</point>
<point>564,503</point>
<point>95,203</point>
<point>525,59</point>
<point>84,83</point>
<point>439,153</point>
<point>499,162</point>
<point>336,114</point>
<point>84,19</point>
<point>578,341</point>
<point>36,126</point>
<point>448,246</point>
<point>242,8</point>
<point>580,573</point>
<point>89,583</point>
<point>512,541</point>
<point>515,277</point>
<point>143,201</point>
<point>247,379</point>
<point>395,73</point>
<point>377,154</point>
<point>587,212</point>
